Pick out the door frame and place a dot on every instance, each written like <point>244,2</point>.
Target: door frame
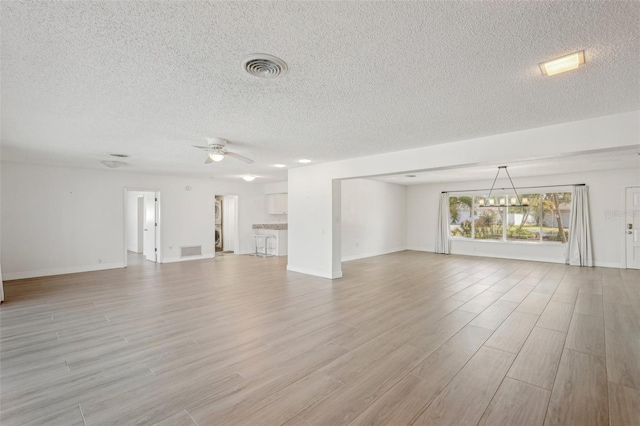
<point>158,221</point>
<point>627,211</point>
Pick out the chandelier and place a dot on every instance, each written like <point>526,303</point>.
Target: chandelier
<point>515,202</point>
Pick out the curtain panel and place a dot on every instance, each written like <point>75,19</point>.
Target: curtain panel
<point>579,247</point>
<point>442,236</point>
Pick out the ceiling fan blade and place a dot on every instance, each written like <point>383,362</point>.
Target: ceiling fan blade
<point>208,160</point>
<point>239,157</point>
<point>206,148</point>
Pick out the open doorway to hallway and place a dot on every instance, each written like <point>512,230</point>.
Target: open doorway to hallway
<point>225,223</point>
<point>142,226</point>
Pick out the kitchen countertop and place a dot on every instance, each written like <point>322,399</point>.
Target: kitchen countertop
<point>274,226</point>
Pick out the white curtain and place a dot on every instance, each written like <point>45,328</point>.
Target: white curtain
<point>579,251</point>
<point>442,236</point>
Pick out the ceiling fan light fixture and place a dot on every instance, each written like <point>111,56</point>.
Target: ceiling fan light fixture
<point>216,156</point>
<point>249,178</point>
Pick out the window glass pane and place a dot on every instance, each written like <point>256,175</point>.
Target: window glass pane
<point>488,221</point>
<point>524,221</point>
<point>460,215</point>
<point>556,210</point>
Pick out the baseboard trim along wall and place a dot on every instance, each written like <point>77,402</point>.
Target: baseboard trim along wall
<point>373,254</point>
<point>61,271</point>
<point>187,259</point>
<point>334,275</point>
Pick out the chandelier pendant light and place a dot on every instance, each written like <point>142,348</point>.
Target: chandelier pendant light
<point>515,202</point>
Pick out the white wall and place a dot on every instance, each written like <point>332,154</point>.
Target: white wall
<point>606,195</point>
<point>313,220</point>
<point>61,220</point>
<point>1,283</point>
<point>374,218</point>
<point>276,188</point>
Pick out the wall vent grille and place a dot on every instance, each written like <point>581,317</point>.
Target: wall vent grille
<point>190,251</point>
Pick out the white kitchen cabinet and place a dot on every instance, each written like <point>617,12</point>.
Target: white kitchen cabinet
<point>277,203</point>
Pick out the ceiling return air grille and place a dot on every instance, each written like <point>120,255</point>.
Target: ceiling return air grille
<point>190,251</point>
<point>264,66</point>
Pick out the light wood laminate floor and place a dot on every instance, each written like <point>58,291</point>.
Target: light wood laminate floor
<point>406,338</point>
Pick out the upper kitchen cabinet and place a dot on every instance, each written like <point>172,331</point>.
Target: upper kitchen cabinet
<point>277,203</point>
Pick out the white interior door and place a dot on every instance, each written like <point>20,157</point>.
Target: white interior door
<point>150,224</point>
<point>229,213</point>
<point>632,227</point>
<point>1,287</point>
<point>140,226</point>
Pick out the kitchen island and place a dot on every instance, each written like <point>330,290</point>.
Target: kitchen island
<point>278,237</point>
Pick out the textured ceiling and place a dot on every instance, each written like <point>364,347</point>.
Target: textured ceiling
<point>83,79</point>
<point>616,159</point>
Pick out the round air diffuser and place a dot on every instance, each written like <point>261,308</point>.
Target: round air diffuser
<point>264,66</point>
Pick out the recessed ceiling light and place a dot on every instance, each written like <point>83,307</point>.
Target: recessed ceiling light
<point>113,164</point>
<point>304,161</point>
<point>248,178</point>
<point>279,165</point>
<point>120,155</point>
<point>563,64</point>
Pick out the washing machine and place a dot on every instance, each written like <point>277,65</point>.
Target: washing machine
<point>218,211</point>
<point>218,237</point>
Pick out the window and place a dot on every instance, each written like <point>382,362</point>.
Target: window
<point>460,209</point>
<point>524,222</point>
<point>488,221</point>
<point>545,218</point>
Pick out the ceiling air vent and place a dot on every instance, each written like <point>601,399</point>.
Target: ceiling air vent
<point>264,66</point>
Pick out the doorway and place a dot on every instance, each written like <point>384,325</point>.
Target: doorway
<point>142,226</point>
<point>632,227</point>
<point>225,224</point>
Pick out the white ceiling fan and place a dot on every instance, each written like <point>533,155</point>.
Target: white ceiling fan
<point>217,150</point>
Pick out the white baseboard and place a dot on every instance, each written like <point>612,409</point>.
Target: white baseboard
<point>372,254</point>
<point>60,271</point>
<point>322,274</point>
<point>422,248</point>
<point>187,259</point>
<point>609,265</point>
